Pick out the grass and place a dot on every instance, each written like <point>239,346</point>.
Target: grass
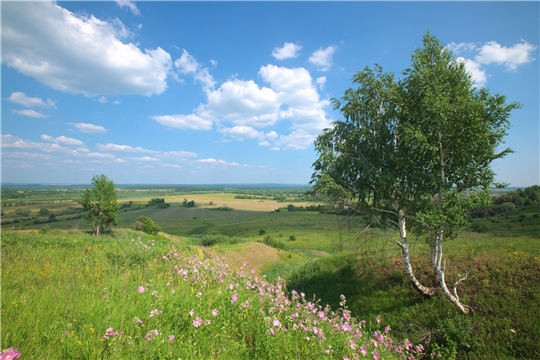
<point>70,295</point>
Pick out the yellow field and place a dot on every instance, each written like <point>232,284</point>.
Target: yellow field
<point>219,200</point>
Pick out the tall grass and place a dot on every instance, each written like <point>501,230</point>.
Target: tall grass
<point>134,296</point>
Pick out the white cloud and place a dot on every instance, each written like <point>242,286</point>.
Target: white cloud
<point>21,98</point>
<point>179,154</point>
<point>243,103</point>
<point>188,65</point>
<point>213,161</point>
<point>18,154</point>
<point>214,63</point>
<point>144,158</point>
<point>241,132</point>
<point>511,57</point>
<point>121,161</point>
<point>478,75</point>
<point>321,81</point>
<point>322,58</point>
<point>89,128</point>
<point>458,48</point>
<point>100,156</point>
<point>10,141</point>
<point>123,148</point>
<point>102,100</point>
<point>29,113</point>
<point>183,122</point>
<point>63,140</point>
<point>130,5</point>
<point>289,50</point>
<point>78,53</point>
<point>172,166</point>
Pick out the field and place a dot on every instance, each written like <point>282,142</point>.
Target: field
<point>62,289</point>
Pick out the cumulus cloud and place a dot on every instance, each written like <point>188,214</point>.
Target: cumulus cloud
<point>289,50</point>
<point>96,155</point>
<point>29,113</point>
<point>183,122</point>
<point>62,140</point>
<point>130,5</point>
<point>322,58</point>
<point>21,98</point>
<point>89,128</point>
<point>492,53</point>
<point>171,166</point>
<point>321,81</point>
<point>478,75</point>
<point>511,57</point>
<point>241,132</point>
<point>188,65</point>
<point>78,53</point>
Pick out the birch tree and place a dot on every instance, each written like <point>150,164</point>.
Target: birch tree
<point>100,205</point>
<point>415,153</point>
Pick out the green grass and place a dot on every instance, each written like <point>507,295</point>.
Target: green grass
<point>69,295</point>
<point>524,221</point>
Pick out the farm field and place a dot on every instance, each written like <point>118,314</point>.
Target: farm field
<point>62,289</point>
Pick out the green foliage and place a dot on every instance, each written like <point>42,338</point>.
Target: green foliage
<point>270,241</point>
<point>187,203</point>
<point>209,240</point>
<point>22,212</point>
<point>156,201</point>
<point>454,335</point>
<point>147,225</point>
<point>262,231</point>
<point>479,227</point>
<point>292,238</point>
<point>43,212</point>
<point>100,204</point>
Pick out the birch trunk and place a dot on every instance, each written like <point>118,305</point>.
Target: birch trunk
<point>454,298</point>
<point>429,291</point>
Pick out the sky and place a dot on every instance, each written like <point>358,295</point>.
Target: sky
<point>231,92</point>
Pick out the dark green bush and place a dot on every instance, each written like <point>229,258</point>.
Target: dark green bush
<point>147,225</point>
<point>209,240</point>
<point>270,241</point>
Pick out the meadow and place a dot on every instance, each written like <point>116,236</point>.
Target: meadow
<point>282,284</point>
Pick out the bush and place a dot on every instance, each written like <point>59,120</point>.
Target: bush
<point>163,205</point>
<point>147,225</point>
<point>270,241</point>
<point>262,232</point>
<point>292,238</point>
<point>479,228</point>
<point>209,240</point>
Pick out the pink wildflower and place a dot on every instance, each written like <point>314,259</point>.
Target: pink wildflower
<point>138,321</point>
<point>376,356</point>
<point>154,292</point>
<point>234,298</point>
<point>10,354</point>
<point>171,339</point>
<point>363,350</point>
<point>378,320</point>
<point>214,312</point>
<point>276,323</point>
<point>246,304</point>
<point>191,312</point>
<point>141,289</point>
<point>197,322</point>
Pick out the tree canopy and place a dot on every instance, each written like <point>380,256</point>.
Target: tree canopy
<point>415,152</point>
<point>100,204</point>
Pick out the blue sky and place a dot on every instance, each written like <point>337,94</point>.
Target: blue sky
<point>230,92</point>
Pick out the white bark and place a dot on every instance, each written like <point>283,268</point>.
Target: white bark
<point>406,258</point>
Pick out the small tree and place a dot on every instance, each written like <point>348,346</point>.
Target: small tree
<point>43,212</point>
<point>415,154</point>
<point>100,204</point>
<point>147,225</point>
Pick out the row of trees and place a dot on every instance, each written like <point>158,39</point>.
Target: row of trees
<point>415,152</point>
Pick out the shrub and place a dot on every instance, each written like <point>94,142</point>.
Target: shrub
<point>147,225</point>
<point>163,205</point>
<point>262,232</point>
<point>479,228</point>
<point>209,240</point>
<point>292,238</point>
<point>270,241</point>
